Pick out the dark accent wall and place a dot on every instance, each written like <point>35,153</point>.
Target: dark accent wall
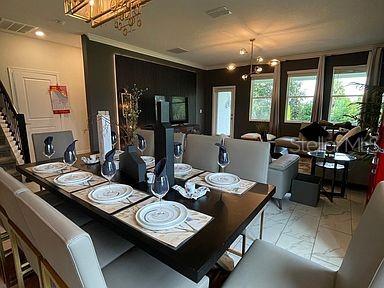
<point>100,84</point>
<point>160,80</point>
<point>223,77</point>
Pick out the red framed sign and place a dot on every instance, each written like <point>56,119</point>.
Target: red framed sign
<point>59,99</point>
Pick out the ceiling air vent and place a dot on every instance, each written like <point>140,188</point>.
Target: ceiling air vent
<point>177,50</point>
<point>219,11</point>
<point>12,26</point>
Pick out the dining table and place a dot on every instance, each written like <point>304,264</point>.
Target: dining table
<point>230,214</point>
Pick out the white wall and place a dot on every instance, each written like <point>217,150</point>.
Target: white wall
<point>24,52</point>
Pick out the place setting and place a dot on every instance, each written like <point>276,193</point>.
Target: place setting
<point>112,196</point>
<point>169,222</point>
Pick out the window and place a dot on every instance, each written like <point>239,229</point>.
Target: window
<point>300,93</point>
<point>345,92</point>
<point>261,97</point>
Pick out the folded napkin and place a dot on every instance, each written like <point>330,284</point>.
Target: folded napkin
<point>199,192</point>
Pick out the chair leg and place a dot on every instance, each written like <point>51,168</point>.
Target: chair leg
<point>16,259</point>
<point>243,246</point>
<point>279,203</point>
<point>262,225</point>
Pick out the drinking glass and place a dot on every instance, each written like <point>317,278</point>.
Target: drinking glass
<point>160,188</point>
<point>223,159</point>
<point>70,159</point>
<point>141,145</point>
<point>49,150</point>
<point>178,150</point>
<point>108,171</point>
<point>113,138</point>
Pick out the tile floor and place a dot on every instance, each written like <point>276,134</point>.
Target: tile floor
<point>321,234</point>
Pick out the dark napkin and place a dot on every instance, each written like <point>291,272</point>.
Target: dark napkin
<point>48,140</point>
<point>160,167</point>
<point>109,156</point>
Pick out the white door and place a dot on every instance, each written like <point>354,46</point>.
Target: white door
<point>223,110</point>
<point>30,93</point>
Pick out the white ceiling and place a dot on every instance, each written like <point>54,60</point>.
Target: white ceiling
<point>281,28</point>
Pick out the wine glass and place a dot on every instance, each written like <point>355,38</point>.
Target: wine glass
<point>141,145</point>
<point>113,138</point>
<point>70,158</point>
<point>160,188</point>
<point>223,159</point>
<point>108,171</point>
<point>178,150</point>
<point>49,150</point>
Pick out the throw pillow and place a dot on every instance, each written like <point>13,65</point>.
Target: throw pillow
<point>313,132</point>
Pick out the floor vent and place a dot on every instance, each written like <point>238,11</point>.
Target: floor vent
<point>177,50</point>
<point>219,11</point>
<point>17,27</point>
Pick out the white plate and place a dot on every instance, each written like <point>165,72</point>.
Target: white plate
<point>222,179</point>
<point>148,160</point>
<point>89,161</point>
<point>173,214</point>
<point>49,167</point>
<point>105,193</point>
<point>73,178</point>
<point>182,169</point>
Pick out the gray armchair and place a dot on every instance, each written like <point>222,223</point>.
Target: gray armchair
<point>61,140</point>
<point>268,266</point>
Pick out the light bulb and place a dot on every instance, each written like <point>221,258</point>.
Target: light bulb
<point>245,76</point>
<point>258,69</point>
<point>274,62</point>
<point>259,59</point>
<point>243,51</point>
<point>91,2</point>
<point>39,33</point>
<point>231,66</point>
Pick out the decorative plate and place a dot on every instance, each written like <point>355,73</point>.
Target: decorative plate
<point>110,193</point>
<point>222,179</point>
<point>182,169</point>
<point>49,167</point>
<point>73,178</point>
<point>89,161</point>
<point>161,216</point>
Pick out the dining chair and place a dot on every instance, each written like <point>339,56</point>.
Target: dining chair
<point>61,140</point>
<point>179,137</point>
<point>266,265</point>
<point>149,136</point>
<point>201,152</point>
<point>69,258</point>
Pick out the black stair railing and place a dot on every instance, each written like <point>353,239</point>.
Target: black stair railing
<point>15,122</point>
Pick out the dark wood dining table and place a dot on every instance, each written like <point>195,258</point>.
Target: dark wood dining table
<point>231,215</point>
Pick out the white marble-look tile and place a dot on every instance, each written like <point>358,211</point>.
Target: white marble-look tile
<point>302,226</point>
<point>339,220</point>
<point>357,210</point>
<point>325,264</point>
<point>297,246</point>
<point>338,205</point>
<point>271,230</point>
<point>313,211</point>
<point>330,246</point>
<point>357,196</point>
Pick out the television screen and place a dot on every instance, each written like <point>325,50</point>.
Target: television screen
<point>179,110</point>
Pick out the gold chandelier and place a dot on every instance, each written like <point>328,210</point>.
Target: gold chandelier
<point>126,13</point>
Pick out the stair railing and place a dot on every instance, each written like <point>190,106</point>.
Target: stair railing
<point>16,123</point>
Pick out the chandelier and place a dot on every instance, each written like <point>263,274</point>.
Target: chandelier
<point>125,13</point>
<point>255,68</point>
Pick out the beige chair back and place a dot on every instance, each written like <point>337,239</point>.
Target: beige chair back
<point>249,159</point>
<point>179,137</point>
<point>366,249</point>
<point>378,280</point>
<point>65,247</point>
<point>149,136</point>
<point>201,152</point>
<point>61,140</point>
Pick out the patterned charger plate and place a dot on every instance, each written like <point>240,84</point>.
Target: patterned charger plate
<point>222,179</point>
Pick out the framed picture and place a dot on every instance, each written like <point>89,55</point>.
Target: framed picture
<point>59,99</point>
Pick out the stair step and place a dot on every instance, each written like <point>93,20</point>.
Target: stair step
<point>4,148</point>
<point>7,160</point>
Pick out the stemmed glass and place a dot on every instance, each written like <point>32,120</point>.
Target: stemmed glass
<point>70,157</point>
<point>108,171</point>
<point>178,150</point>
<point>49,150</point>
<point>141,145</point>
<point>113,138</point>
<point>160,188</point>
<point>223,159</point>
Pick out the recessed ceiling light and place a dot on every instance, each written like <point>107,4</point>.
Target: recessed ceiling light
<point>243,51</point>
<point>274,62</point>
<point>231,66</point>
<point>39,33</point>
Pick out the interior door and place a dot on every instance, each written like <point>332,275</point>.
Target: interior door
<point>223,110</point>
<point>30,93</point>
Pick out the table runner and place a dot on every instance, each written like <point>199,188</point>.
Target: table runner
<point>239,189</point>
<point>173,237</point>
<point>96,180</point>
<point>47,175</point>
<point>136,197</point>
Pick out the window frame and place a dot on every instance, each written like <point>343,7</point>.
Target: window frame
<point>343,68</point>
<point>260,76</point>
<point>307,72</point>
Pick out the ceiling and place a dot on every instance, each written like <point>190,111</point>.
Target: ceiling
<point>281,28</point>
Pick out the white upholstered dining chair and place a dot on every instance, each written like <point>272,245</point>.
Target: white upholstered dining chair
<point>268,266</point>
<point>69,258</point>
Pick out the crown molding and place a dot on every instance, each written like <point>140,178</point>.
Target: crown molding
<point>133,48</point>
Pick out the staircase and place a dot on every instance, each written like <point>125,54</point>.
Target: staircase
<point>13,136</point>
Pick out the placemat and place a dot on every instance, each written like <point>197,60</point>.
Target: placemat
<point>239,189</point>
<point>96,180</point>
<point>173,237</point>
<point>47,175</point>
<point>137,196</point>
